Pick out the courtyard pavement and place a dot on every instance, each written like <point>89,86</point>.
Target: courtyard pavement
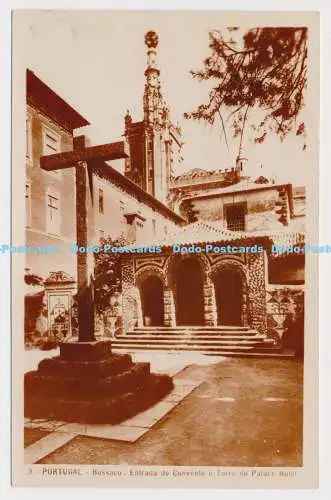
<point>223,412</point>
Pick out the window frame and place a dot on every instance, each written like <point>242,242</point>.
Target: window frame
<point>227,206</point>
<point>56,196</point>
<point>57,138</point>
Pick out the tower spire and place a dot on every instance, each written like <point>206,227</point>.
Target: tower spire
<point>154,142</point>
<point>154,105</point>
<point>151,41</point>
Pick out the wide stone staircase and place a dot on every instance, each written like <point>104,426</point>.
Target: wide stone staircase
<point>218,340</point>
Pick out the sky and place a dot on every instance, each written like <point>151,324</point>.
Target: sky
<point>95,60</point>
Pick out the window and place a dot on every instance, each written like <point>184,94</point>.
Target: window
<point>27,205</point>
<point>53,214</point>
<point>101,201</point>
<point>51,146</point>
<point>154,226</point>
<point>101,235</point>
<point>235,217</point>
<point>51,143</point>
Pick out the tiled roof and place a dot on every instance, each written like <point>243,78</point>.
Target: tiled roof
<point>283,238</point>
<point>202,232</point>
<point>246,185</point>
<point>50,103</point>
<point>194,172</point>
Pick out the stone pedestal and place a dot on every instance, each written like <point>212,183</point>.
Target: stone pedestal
<point>89,384</point>
<point>210,311</point>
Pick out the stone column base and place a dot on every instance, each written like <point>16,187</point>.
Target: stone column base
<point>89,384</point>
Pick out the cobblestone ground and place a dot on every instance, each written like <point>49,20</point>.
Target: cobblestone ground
<point>246,413</point>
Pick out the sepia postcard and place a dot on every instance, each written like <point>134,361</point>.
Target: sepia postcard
<point>164,249</point>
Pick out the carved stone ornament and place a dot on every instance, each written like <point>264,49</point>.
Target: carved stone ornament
<point>59,277</point>
<point>151,39</point>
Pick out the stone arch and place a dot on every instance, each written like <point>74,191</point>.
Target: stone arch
<point>177,201</point>
<point>174,260</point>
<point>228,266</point>
<point>147,271</point>
<point>231,264</point>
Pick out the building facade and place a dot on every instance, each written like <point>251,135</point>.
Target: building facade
<point>209,276</point>
<point>49,196</point>
<point>122,209</point>
<point>149,206</point>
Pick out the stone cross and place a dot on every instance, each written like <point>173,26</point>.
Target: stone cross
<point>81,158</point>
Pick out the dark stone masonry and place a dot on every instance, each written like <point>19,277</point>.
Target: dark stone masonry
<point>89,384</point>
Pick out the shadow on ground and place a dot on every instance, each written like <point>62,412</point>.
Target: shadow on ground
<point>247,412</point>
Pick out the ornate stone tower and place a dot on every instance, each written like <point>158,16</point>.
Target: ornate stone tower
<point>154,142</point>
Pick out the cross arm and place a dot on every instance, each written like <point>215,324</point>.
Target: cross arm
<point>111,151</point>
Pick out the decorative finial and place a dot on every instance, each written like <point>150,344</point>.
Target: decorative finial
<point>127,119</point>
<point>151,39</point>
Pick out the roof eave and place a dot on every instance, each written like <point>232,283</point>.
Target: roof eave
<point>44,98</point>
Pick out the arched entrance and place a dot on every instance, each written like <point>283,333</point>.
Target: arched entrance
<point>229,297</point>
<point>189,293</point>
<point>152,301</point>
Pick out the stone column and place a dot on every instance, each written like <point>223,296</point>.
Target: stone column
<point>209,299</point>
<point>169,307</point>
<point>257,292</point>
<point>244,307</point>
<point>140,318</point>
<point>131,302</point>
<point>85,235</point>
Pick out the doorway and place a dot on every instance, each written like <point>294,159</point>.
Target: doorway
<point>189,293</point>
<point>229,297</point>
<point>152,301</point>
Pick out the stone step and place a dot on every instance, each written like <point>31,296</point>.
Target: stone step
<point>196,333</point>
<point>229,330</point>
<point>182,347</point>
<point>37,385</point>
<point>275,353</point>
<point>191,341</point>
<point>103,410</point>
<point>193,327</point>
<point>87,383</point>
<point>192,338</point>
<point>85,369</point>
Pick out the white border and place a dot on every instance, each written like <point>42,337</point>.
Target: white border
<point>325,237</point>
